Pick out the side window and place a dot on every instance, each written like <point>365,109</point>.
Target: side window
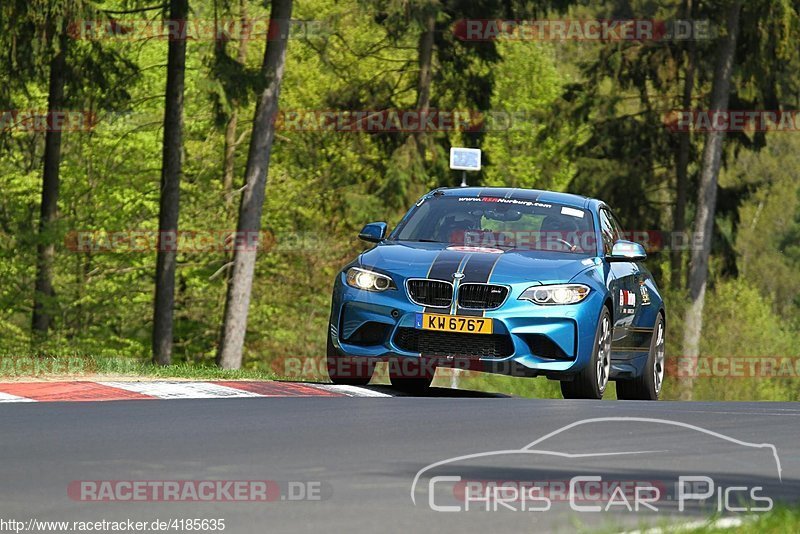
<point>620,234</point>
<point>607,229</point>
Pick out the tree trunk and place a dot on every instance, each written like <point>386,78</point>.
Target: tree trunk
<point>230,156</point>
<point>681,171</point>
<point>252,202</point>
<point>707,197</point>
<point>45,249</point>
<point>171,170</point>
<point>229,165</point>
<point>425,59</point>
<point>425,50</point>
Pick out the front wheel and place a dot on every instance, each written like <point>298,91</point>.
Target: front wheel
<point>592,381</point>
<point>346,371</point>
<point>648,385</point>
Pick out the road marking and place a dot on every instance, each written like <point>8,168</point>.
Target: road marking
<point>353,391</point>
<point>181,390</point>
<point>280,389</point>
<point>7,397</point>
<point>167,389</point>
<point>67,391</point>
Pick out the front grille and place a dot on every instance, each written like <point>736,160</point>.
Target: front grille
<point>481,296</point>
<point>454,344</point>
<point>430,292</point>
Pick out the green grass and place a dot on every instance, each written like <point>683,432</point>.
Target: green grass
<point>778,521</point>
<point>52,363</point>
<point>78,365</point>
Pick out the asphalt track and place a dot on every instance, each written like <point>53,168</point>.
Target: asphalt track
<point>365,453</point>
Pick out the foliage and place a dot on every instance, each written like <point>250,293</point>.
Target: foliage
<point>740,326</point>
<point>586,118</point>
<point>780,519</point>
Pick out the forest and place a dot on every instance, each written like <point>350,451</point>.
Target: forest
<point>260,137</point>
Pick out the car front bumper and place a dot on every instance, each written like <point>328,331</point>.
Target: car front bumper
<point>528,339</point>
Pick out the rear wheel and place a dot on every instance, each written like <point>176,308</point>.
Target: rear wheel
<point>592,381</point>
<point>648,385</point>
<point>347,371</point>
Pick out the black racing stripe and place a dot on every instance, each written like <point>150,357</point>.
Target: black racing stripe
<point>445,264</point>
<point>442,268</point>
<point>497,192</point>
<point>479,266</point>
<point>478,269</point>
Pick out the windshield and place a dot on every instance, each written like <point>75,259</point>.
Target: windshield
<point>505,223</point>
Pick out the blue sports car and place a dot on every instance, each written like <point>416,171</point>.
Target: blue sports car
<point>511,281</point>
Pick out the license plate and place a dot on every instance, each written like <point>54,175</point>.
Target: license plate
<point>454,323</point>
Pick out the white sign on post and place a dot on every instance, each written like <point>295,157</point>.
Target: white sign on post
<point>465,159</point>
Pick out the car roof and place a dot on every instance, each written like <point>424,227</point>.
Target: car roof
<point>566,199</point>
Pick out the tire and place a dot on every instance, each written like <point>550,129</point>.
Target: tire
<point>346,371</point>
<point>418,384</point>
<point>592,381</point>
<point>647,386</point>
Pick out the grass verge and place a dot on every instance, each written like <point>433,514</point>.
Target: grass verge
<point>778,521</point>
<point>77,366</point>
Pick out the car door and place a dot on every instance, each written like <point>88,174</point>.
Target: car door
<point>622,284</point>
<point>640,328</point>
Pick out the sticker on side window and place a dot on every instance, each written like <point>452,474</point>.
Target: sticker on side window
<point>572,212</point>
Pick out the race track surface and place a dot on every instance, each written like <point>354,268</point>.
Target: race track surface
<point>362,455</point>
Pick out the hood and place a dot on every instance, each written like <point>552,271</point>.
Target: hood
<point>439,260</point>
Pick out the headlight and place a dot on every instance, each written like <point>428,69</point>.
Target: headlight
<point>368,280</point>
<point>555,294</point>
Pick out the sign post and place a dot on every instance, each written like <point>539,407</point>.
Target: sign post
<point>465,159</point>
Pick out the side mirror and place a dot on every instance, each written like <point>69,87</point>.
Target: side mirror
<point>627,251</point>
<point>373,232</point>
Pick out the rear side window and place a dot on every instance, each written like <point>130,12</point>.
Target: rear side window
<point>618,231</point>
<point>608,230</point>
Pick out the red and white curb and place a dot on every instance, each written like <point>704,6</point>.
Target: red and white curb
<point>120,390</point>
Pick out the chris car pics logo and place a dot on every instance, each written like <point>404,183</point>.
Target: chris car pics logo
<point>447,485</point>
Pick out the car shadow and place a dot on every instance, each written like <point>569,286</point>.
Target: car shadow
<point>437,392</point>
